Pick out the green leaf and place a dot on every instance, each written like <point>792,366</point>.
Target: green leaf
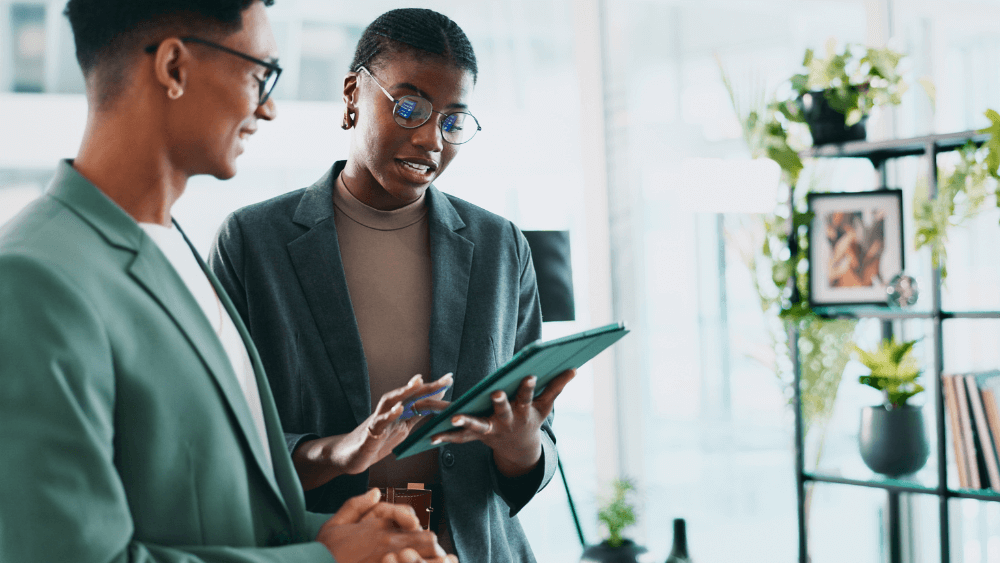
<point>993,144</point>
<point>618,514</point>
<point>893,370</point>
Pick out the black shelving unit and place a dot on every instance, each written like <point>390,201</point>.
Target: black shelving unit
<point>879,153</point>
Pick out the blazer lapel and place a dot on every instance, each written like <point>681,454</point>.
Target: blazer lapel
<point>451,264</point>
<point>284,482</point>
<point>316,258</point>
<point>150,269</point>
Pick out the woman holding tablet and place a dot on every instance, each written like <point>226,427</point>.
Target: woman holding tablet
<point>351,286</point>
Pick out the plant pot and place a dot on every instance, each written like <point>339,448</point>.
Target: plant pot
<point>826,124</point>
<point>893,442</point>
<point>627,552</point>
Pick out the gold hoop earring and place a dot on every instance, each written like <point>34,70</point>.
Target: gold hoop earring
<point>348,120</point>
<point>175,93</point>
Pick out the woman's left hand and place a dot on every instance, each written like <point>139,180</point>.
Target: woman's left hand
<point>513,431</point>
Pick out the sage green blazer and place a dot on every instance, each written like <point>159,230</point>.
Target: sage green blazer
<point>124,435</point>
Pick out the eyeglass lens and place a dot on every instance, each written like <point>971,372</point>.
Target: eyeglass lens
<point>413,111</point>
<point>267,85</point>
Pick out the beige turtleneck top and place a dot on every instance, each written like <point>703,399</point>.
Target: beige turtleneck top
<point>387,260</point>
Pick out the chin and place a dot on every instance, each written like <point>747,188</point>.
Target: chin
<point>221,172</point>
<point>226,174</point>
<point>224,170</point>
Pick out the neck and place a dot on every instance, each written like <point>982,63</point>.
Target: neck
<point>130,164</point>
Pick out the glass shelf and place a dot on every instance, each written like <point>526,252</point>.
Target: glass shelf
<point>986,494</point>
<point>897,485</point>
<point>903,486</point>
<point>871,312</point>
<point>864,312</point>
<point>882,150</point>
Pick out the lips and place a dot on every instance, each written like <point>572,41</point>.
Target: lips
<point>418,170</point>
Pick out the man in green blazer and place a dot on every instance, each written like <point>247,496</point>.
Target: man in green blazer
<point>136,422</point>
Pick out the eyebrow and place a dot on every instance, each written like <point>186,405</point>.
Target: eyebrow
<point>425,95</point>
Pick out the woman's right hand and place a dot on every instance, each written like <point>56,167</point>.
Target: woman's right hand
<point>319,461</point>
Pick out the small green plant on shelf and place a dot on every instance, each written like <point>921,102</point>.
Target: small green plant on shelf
<point>853,81</point>
<point>618,513</point>
<point>894,371</point>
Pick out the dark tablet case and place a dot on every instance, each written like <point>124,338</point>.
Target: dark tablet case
<point>545,360</point>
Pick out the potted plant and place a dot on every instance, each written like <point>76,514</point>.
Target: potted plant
<point>836,93</point>
<point>616,515</point>
<point>892,438</point>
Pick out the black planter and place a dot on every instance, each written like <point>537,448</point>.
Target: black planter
<point>627,552</point>
<point>826,124</point>
<point>893,442</point>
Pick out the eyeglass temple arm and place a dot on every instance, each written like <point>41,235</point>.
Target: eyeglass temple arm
<point>377,83</point>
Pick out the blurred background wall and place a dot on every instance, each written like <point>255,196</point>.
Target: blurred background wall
<point>589,109</point>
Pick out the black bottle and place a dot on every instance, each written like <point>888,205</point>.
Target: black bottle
<point>679,553</point>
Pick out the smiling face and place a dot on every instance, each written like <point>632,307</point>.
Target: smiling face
<point>390,166</point>
<point>219,109</point>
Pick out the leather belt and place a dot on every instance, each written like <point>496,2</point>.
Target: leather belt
<point>422,500</point>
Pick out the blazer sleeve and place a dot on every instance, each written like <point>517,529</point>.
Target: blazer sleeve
<point>58,427</point>
<point>226,259</point>
<point>517,492</point>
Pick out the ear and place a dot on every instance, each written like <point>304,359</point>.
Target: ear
<point>351,91</point>
<point>171,65</point>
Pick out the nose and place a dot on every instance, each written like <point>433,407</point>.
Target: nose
<point>429,136</point>
<point>267,111</point>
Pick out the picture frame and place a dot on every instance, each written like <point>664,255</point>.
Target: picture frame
<point>855,246</point>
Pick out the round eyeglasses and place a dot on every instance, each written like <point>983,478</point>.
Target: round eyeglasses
<point>411,112</point>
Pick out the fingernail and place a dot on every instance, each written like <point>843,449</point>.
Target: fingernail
<point>416,380</point>
<point>446,377</point>
<point>375,494</point>
<point>532,380</point>
<point>498,398</point>
<point>436,441</point>
<point>458,421</point>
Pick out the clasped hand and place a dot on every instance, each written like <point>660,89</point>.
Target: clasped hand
<point>513,431</point>
<point>367,531</point>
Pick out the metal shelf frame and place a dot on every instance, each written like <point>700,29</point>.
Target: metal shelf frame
<point>878,153</point>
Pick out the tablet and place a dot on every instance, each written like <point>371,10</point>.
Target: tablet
<point>544,360</point>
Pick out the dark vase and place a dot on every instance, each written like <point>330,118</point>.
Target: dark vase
<point>627,552</point>
<point>679,552</point>
<point>826,124</point>
<point>893,442</point>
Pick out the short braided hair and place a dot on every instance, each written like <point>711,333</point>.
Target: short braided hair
<point>418,31</point>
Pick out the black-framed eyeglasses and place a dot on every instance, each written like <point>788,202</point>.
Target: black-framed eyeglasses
<point>266,84</point>
<point>411,112</point>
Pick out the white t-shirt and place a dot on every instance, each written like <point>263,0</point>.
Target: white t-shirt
<point>180,255</point>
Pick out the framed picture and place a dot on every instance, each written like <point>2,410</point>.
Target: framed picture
<point>855,246</point>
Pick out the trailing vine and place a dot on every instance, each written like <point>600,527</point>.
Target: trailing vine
<point>775,249</point>
<point>962,193</point>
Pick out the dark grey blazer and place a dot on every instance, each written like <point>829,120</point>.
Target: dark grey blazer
<point>280,262</point>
